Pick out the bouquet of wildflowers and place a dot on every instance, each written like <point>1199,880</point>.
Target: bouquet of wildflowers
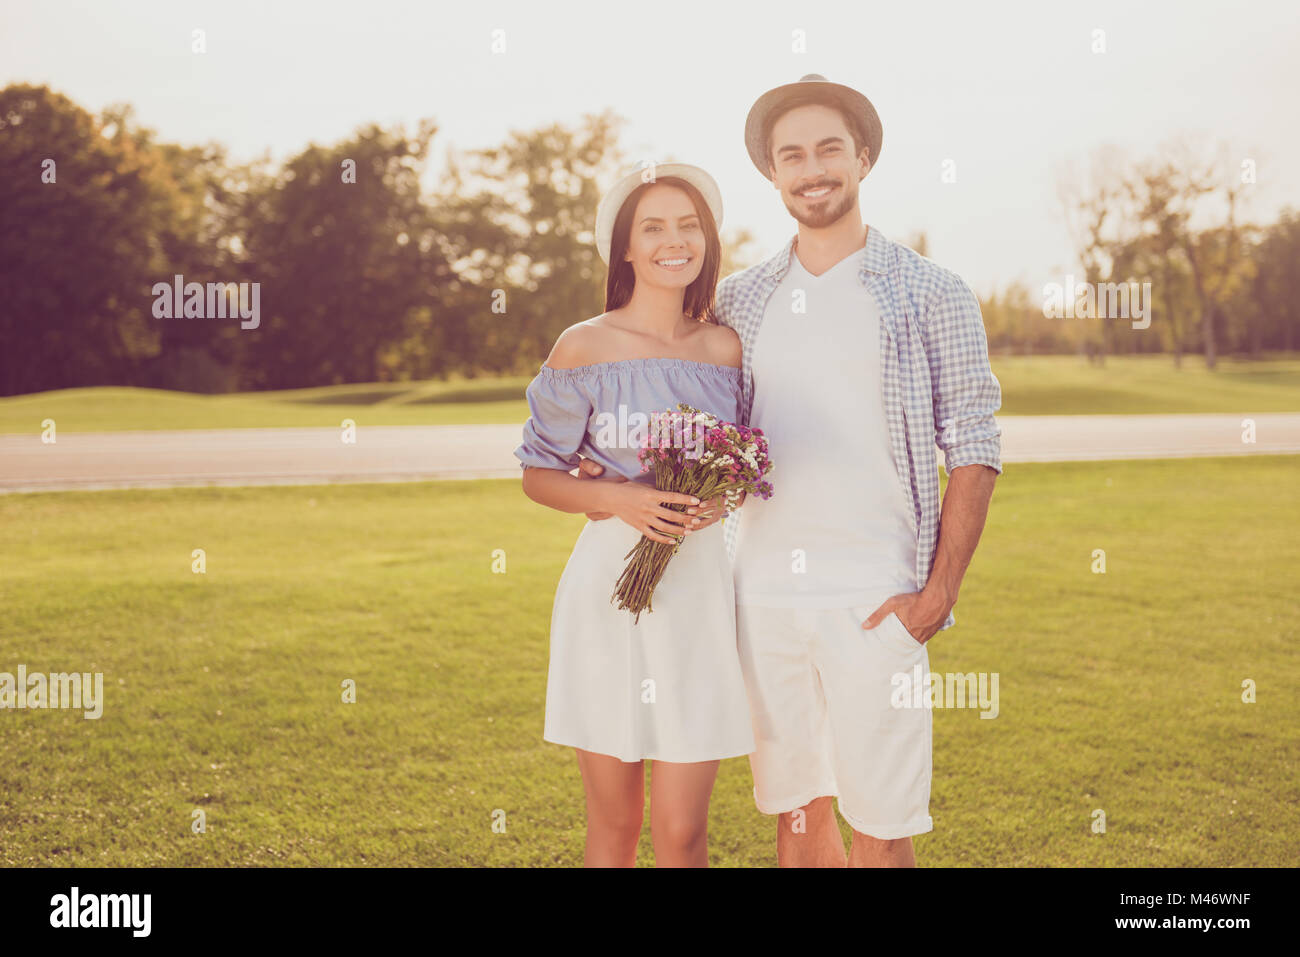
<point>692,452</point>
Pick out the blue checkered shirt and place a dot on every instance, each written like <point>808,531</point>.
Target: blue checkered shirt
<point>934,369</point>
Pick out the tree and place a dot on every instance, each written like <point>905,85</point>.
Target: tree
<point>87,207</point>
<point>1163,216</point>
<point>1098,216</point>
<point>1158,216</point>
<point>1274,290</point>
<point>347,253</point>
<point>1214,254</point>
<point>521,217</point>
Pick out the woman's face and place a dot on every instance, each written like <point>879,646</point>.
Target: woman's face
<point>666,243</point>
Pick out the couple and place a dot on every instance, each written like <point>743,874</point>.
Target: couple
<point>775,636</point>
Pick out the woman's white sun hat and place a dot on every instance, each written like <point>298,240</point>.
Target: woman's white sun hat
<point>613,200</point>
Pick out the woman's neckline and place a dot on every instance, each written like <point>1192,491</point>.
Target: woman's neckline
<point>671,360</point>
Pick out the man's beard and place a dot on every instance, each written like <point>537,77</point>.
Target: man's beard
<point>821,216</point>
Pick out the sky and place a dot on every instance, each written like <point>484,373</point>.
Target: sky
<point>1005,95</point>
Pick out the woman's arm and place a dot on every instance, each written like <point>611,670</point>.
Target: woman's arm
<point>589,469</point>
<point>637,504</point>
<point>562,492</point>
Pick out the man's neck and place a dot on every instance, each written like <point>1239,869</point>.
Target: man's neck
<point>820,249</point>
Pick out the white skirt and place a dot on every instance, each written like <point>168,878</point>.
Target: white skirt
<point>666,688</point>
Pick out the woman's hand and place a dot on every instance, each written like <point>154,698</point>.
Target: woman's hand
<point>710,511</point>
<point>707,512</point>
<point>640,506</point>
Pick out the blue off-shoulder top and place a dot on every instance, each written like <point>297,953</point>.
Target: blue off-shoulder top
<point>591,411</point>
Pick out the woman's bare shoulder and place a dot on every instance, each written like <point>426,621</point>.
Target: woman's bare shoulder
<point>576,345</point>
<point>724,345</point>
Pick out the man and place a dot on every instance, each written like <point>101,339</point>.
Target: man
<point>870,356</point>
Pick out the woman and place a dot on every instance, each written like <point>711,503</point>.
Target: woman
<point>667,688</point>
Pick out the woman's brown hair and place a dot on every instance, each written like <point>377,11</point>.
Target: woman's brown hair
<point>698,303</point>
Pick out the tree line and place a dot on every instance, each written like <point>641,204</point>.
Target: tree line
<point>372,266</point>
<point>1219,283</point>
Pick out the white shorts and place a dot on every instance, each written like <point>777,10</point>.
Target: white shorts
<point>819,689</point>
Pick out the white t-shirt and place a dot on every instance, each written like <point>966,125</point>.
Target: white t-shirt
<point>839,528</point>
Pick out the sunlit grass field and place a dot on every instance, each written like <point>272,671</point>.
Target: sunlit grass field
<point>1119,692</point>
<point>1039,385</point>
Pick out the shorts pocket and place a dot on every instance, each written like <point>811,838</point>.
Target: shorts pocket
<point>891,632</point>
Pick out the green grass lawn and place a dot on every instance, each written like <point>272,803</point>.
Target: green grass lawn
<point>1039,385</point>
<point>1119,692</point>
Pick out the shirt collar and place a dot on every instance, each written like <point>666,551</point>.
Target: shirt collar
<point>875,257</point>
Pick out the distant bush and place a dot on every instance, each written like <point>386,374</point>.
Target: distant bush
<point>193,370</point>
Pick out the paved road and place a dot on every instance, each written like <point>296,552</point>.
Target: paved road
<point>96,460</point>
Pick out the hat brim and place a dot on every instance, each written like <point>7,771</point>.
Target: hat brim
<point>854,102</point>
<point>613,200</point>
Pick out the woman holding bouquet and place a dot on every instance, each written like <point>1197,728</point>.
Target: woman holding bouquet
<point>665,686</point>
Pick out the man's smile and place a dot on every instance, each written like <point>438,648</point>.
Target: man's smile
<point>816,192</point>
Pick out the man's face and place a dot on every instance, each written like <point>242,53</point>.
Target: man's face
<point>813,165</point>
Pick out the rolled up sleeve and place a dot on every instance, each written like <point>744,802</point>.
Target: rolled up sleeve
<point>557,426</point>
<point>966,393</point>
